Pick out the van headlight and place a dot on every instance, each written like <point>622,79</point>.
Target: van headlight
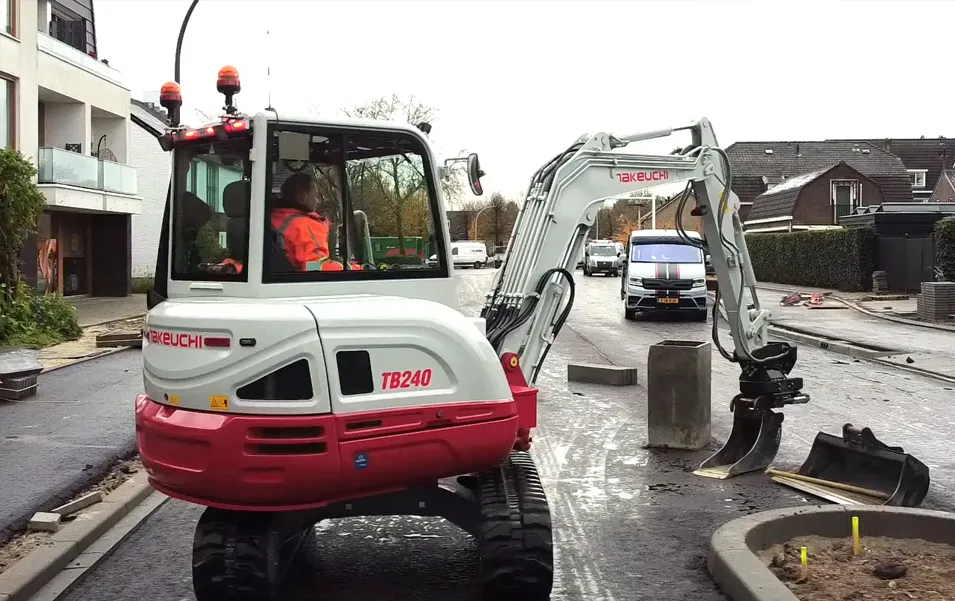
<point>699,282</point>
<point>638,282</point>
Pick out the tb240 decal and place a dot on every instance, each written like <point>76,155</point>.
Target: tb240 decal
<point>419,378</point>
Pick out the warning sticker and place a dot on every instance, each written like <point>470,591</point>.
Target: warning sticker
<point>219,403</point>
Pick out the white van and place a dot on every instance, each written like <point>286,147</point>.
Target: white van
<point>601,256</point>
<point>466,254</point>
<point>661,272</point>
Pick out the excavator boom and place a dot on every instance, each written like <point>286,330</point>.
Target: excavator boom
<point>533,290</point>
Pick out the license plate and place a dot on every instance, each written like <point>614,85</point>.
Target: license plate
<point>668,301</point>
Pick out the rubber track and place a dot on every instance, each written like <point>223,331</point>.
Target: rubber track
<point>228,558</point>
<point>515,541</point>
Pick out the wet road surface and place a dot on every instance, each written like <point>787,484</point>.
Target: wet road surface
<point>66,437</point>
<point>630,524</point>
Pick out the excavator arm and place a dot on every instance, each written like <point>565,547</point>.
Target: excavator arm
<point>533,291</point>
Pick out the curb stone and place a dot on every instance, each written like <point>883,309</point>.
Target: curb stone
<point>844,348</point>
<point>27,576</point>
<point>861,309</point>
<point>103,323</point>
<point>107,353</point>
<point>733,564</point>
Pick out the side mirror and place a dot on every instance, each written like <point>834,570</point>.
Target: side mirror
<point>475,174</point>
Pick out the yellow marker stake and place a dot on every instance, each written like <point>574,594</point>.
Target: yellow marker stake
<point>856,543</point>
<point>804,559</point>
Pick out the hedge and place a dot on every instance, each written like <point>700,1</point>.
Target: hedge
<point>840,259</point>
<point>945,248</point>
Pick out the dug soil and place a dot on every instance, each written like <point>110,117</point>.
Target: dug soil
<point>886,570</point>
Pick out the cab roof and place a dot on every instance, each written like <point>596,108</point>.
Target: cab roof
<point>661,233</point>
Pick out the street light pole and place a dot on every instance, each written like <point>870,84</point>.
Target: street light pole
<point>474,224</point>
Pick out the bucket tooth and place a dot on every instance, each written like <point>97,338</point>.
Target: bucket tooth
<point>752,444</point>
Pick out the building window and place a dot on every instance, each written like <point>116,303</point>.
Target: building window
<point>6,16</point>
<point>6,112</point>
<point>918,177</point>
<point>843,199</point>
<point>212,189</point>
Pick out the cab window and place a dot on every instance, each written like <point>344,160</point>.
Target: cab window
<point>210,208</point>
<point>350,205</point>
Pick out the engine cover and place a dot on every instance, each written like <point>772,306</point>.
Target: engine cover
<point>345,354</point>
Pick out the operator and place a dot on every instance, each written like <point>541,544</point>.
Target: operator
<point>304,232</point>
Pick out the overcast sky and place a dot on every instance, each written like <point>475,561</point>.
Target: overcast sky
<point>520,81</point>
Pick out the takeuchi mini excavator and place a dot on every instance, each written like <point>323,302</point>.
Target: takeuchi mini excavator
<point>278,397</point>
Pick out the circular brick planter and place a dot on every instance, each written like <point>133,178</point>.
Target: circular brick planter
<point>742,576</point>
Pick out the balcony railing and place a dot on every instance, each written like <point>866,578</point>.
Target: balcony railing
<point>64,51</point>
<point>57,166</point>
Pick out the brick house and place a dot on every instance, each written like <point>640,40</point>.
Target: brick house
<point>925,160</point>
<point>799,185</point>
<point>666,214</point>
<point>944,190</point>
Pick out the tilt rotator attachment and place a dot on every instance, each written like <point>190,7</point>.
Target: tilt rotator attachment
<point>859,469</point>
<point>757,429</point>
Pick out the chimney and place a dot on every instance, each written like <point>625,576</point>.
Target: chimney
<point>888,145</point>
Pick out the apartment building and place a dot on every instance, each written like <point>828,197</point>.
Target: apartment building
<point>64,106</point>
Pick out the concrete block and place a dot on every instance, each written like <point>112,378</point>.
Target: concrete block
<point>611,375</point>
<point>18,388</point>
<point>45,522</point>
<point>678,394</point>
<point>81,503</point>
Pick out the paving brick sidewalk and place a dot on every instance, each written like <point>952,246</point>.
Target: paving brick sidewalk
<point>98,309</point>
<point>916,347</point>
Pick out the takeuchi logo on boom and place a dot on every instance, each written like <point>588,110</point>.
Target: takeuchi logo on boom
<point>630,177</point>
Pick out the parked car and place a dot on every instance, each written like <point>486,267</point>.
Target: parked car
<point>498,255</point>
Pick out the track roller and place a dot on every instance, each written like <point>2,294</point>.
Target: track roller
<point>515,540</point>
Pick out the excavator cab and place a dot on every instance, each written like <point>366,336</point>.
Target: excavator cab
<point>339,202</point>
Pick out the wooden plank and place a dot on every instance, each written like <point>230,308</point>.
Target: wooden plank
<point>119,336</point>
<point>137,341</point>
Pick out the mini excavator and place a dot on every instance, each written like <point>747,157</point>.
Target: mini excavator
<point>278,399</point>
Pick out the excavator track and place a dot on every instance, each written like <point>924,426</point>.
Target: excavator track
<point>515,540</point>
<point>239,556</point>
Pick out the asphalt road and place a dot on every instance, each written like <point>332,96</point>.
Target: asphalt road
<point>66,437</point>
<point>630,523</point>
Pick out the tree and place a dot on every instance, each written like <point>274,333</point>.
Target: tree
<point>491,219</point>
<point>603,225</point>
<point>21,204</point>
<point>501,214</point>
<point>25,319</point>
<point>395,186</point>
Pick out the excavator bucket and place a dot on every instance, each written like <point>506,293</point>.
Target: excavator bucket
<point>858,469</point>
<point>751,446</point>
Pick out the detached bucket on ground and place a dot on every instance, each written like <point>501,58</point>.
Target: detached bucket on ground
<point>858,469</point>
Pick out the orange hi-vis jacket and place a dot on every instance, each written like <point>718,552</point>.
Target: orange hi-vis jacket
<point>306,240</point>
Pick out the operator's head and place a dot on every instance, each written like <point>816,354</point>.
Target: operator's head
<point>300,191</point>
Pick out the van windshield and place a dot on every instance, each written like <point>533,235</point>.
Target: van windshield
<point>665,253</point>
<point>603,251</point>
